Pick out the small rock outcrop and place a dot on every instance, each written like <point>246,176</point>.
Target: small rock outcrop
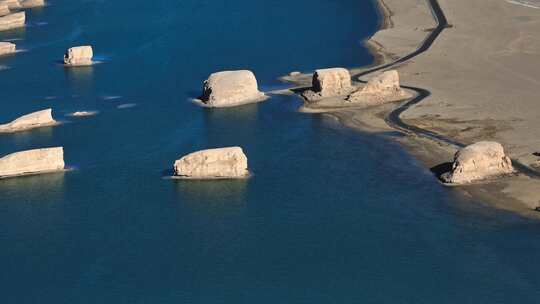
<point>380,89</point>
<point>32,3</point>
<point>231,88</point>
<point>479,161</point>
<point>30,121</point>
<point>83,113</point>
<point>222,163</point>
<point>7,48</point>
<point>79,56</point>
<point>32,162</point>
<point>4,9</point>
<point>329,83</point>
<point>12,21</point>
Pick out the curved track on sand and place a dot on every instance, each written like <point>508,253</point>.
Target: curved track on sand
<point>393,118</point>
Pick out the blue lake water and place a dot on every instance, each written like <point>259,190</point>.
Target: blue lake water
<point>330,216</point>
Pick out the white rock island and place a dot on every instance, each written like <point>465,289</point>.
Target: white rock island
<point>33,120</point>
<point>221,163</point>
<point>12,21</point>
<point>231,88</point>
<point>30,162</point>
<point>79,56</point>
<point>7,48</point>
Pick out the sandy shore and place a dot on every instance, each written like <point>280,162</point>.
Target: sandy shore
<point>484,77</point>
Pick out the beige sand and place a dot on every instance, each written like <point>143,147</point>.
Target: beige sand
<point>484,76</point>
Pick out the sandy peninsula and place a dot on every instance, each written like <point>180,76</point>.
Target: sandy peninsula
<point>481,78</point>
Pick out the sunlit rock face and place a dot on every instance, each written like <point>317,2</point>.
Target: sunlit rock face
<point>79,56</point>
<point>231,88</point>
<point>329,83</point>
<point>213,164</point>
<point>380,89</point>
<point>32,3</point>
<point>4,9</point>
<point>32,162</point>
<point>7,48</point>
<point>12,4</point>
<point>479,161</point>
<point>12,21</point>
<point>33,120</point>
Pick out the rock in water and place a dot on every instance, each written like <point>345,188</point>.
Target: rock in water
<point>32,162</point>
<point>479,161</point>
<point>231,88</point>
<point>32,3</point>
<point>7,48</point>
<point>12,21</point>
<point>222,163</point>
<point>380,89</point>
<point>79,56</point>
<point>4,9</point>
<point>11,4</point>
<point>30,121</point>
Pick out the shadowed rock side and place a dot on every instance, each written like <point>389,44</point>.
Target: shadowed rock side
<point>329,83</point>
<point>7,48</point>
<point>79,56</point>
<point>32,162</point>
<point>11,4</point>
<point>222,163</point>
<point>231,88</point>
<point>30,121</point>
<point>479,161</point>
<point>12,21</point>
<point>32,3</point>
<point>380,89</point>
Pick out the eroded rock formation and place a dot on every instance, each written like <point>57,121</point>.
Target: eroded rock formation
<point>79,56</point>
<point>231,88</point>
<point>30,121</point>
<point>329,83</point>
<point>479,161</point>
<point>32,162</point>
<point>380,89</point>
<point>11,4</point>
<point>213,164</point>
<point>7,48</point>
<point>4,9</point>
<point>12,21</point>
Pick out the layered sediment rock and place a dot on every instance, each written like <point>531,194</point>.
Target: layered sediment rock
<point>213,163</point>
<point>12,21</point>
<point>380,89</point>
<point>79,56</point>
<point>7,48</point>
<point>231,88</point>
<point>32,162</point>
<point>30,121</point>
<point>329,83</point>
<point>479,161</point>
<point>4,9</point>
<point>32,3</point>
<point>11,4</point>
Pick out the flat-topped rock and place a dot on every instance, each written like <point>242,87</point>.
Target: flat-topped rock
<point>231,88</point>
<point>380,89</point>
<point>221,163</point>
<point>479,161</point>
<point>11,4</point>
<point>83,113</point>
<point>329,83</point>
<point>12,21</point>
<point>79,56</point>
<point>7,48</point>
<point>32,162</point>
<point>32,3</point>
<point>4,9</point>
<point>30,121</point>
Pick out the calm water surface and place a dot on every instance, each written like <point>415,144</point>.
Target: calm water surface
<point>330,216</point>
